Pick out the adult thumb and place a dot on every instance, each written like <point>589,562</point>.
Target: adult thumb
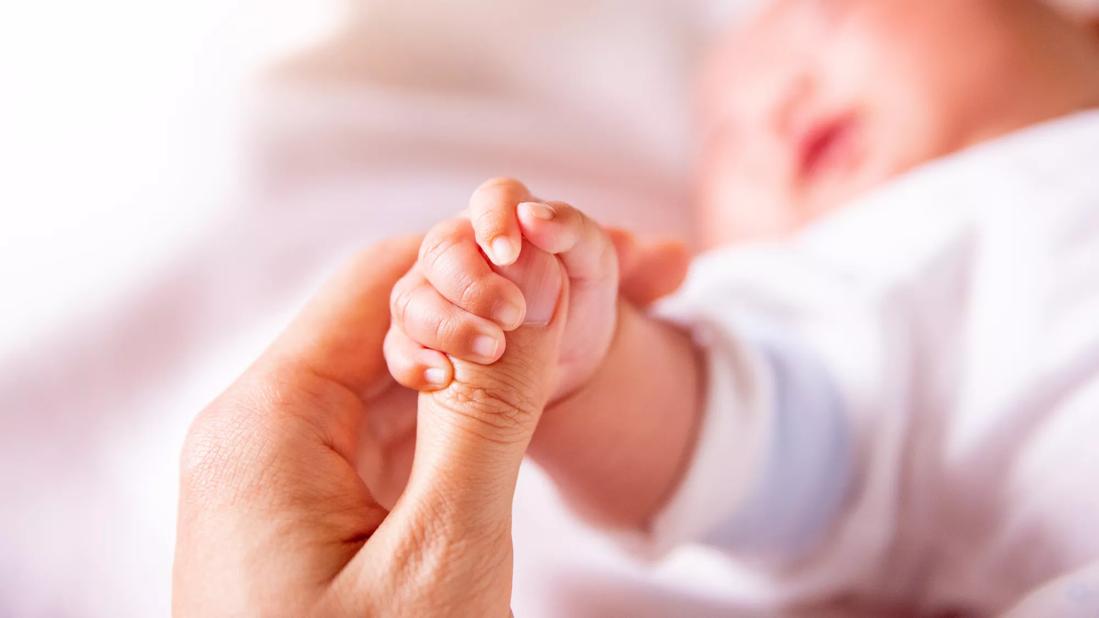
<point>446,545</point>
<point>471,437</point>
<point>445,548</point>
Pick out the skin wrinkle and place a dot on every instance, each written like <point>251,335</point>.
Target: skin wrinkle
<point>481,216</point>
<point>491,407</point>
<point>329,393</point>
<point>436,246</point>
<point>447,330</point>
<point>216,457</point>
<point>252,490</point>
<point>421,556</point>
<point>401,298</point>
<point>473,290</point>
<point>503,391</point>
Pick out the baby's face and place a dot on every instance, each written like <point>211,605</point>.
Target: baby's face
<point>814,102</point>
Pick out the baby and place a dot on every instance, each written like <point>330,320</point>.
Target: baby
<point>892,405</point>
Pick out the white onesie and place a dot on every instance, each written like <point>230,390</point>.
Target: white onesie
<point>903,402</point>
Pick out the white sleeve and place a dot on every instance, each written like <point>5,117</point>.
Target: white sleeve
<point>794,474</point>
<point>773,459</point>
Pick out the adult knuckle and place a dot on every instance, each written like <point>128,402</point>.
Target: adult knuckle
<point>501,399</point>
<point>484,412</point>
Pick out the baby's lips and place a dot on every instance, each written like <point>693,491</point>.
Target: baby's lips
<point>538,276</point>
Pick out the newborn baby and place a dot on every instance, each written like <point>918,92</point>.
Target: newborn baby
<point>888,408</point>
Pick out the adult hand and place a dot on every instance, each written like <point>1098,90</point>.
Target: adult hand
<point>274,518</point>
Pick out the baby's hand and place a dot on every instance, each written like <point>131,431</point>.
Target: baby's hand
<point>457,302</point>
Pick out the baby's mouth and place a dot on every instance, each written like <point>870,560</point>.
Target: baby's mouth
<point>827,145</point>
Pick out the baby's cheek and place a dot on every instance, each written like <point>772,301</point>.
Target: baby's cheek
<point>733,206</point>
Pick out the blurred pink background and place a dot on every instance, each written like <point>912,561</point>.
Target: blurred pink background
<point>177,178</point>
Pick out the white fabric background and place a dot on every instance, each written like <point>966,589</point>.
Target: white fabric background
<point>163,214</point>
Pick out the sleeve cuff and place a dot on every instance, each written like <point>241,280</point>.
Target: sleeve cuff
<point>773,461</point>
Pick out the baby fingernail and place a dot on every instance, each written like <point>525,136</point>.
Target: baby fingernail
<point>538,210</point>
<point>435,375</point>
<point>507,315</point>
<point>485,346</point>
<point>503,251</point>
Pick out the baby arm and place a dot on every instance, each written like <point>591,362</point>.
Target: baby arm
<point>627,401</point>
<point>618,446</point>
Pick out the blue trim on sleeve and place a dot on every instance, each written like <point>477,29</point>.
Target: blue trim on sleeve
<point>808,465</point>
